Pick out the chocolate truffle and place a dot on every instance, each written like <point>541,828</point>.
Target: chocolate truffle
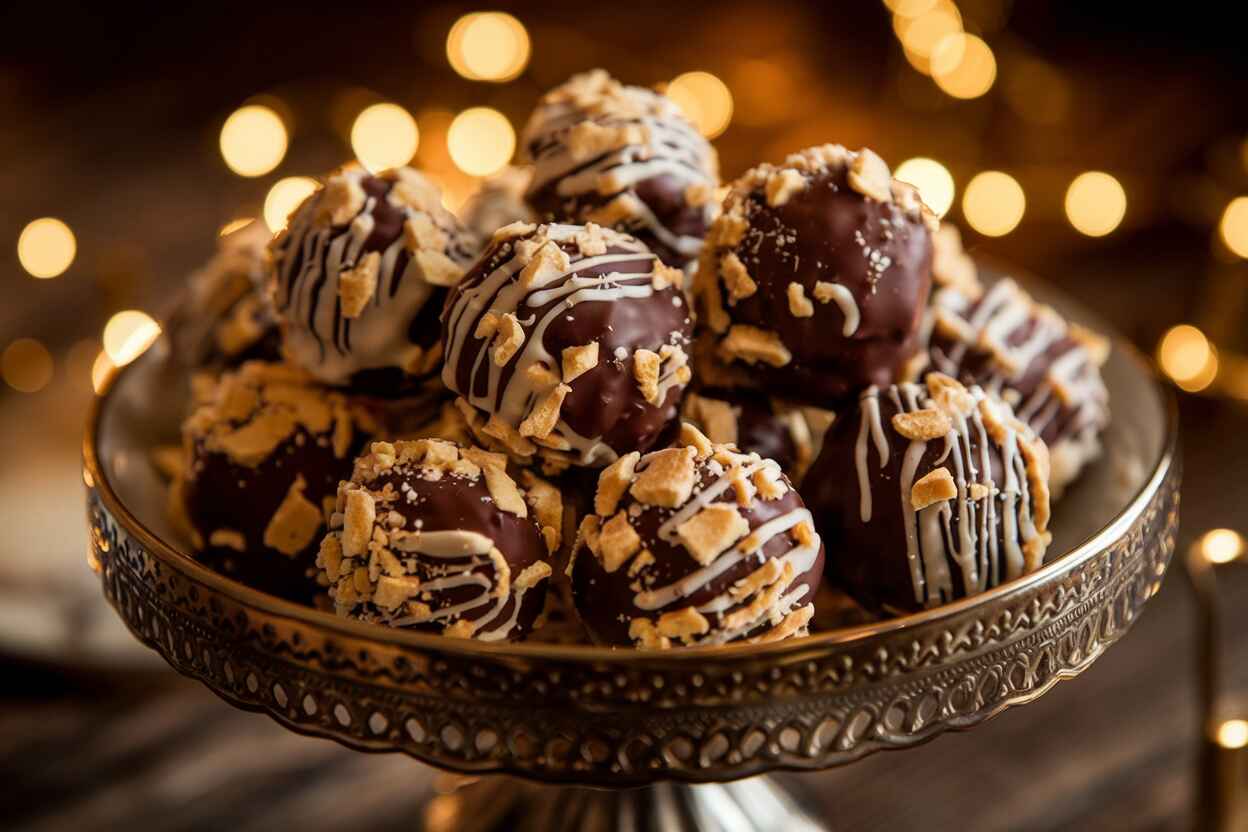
<point>754,424</point>
<point>433,536</point>
<point>226,317</point>
<point>567,343</point>
<point>1046,368</point>
<point>264,457</point>
<point>499,202</point>
<point>696,544</point>
<point>359,277</point>
<point>931,493</point>
<point>814,279</point>
<point>623,157</point>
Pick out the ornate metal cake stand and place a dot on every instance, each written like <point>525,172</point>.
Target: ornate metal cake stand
<point>639,728</point>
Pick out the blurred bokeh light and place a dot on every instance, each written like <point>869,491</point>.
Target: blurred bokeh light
<point>1221,545</point>
<point>128,334</point>
<point>46,247</point>
<point>706,100</point>
<point>1187,357</point>
<point>384,136</point>
<point>26,365</point>
<point>1232,733</point>
<point>284,197</point>
<point>253,140</point>
<point>993,203</point>
<point>488,46</point>
<point>1095,203</point>
<point>1234,226</point>
<point>963,65</point>
<point>920,33</point>
<point>481,141</point>
<point>933,180</point>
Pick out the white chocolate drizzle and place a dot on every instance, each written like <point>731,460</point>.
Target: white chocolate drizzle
<point>662,143</point>
<point>510,391</point>
<point>1015,332</point>
<point>382,566</point>
<point>316,333</point>
<point>733,613</point>
<point>995,537</point>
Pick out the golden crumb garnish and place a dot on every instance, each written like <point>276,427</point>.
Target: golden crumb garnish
<point>617,542</point>
<point>712,530</point>
<point>613,482</point>
<point>667,479</point>
<point>922,425</point>
<point>799,305</point>
<point>753,344</point>
<point>934,487</point>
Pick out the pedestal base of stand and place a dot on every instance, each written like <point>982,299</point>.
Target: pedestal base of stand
<point>495,804</point>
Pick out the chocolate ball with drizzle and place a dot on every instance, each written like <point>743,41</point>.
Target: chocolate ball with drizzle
<point>623,157</point>
<point>696,544</point>
<point>263,457</point>
<point>1000,338</point>
<point>434,536</point>
<point>227,318</point>
<point>359,277</point>
<point>815,276</point>
<point>931,492</point>
<point>566,343</point>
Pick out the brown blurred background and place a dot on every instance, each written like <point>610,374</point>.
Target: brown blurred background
<point>1103,145</point>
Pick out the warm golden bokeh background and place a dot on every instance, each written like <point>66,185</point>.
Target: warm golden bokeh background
<point>1062,137</point>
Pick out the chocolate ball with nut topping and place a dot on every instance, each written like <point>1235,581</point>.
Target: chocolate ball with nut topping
<point>815,276</point>
<point>932,492</point>
<point>567,344</point>
<point>695,544</point>
<point>264,455</point>
<point>623,157</point>
<point>433,536</point>
<point>359,277</point>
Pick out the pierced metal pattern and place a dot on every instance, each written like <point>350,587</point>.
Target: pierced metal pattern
<point>592,719</point>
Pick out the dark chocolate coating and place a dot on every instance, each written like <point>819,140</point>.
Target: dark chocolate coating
<point>869,560</point>
<point>221,494</point>
<point>605,600</point>
<point>456,503</point>
<point>811,238</point>
<point>664,195</point>
<point>605,401</point>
